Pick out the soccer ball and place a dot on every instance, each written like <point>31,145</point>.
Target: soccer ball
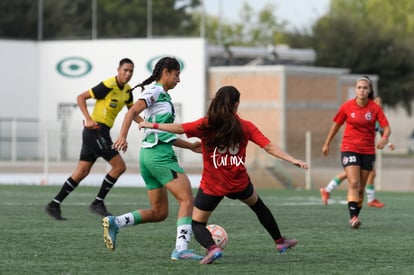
<point>219,235</point>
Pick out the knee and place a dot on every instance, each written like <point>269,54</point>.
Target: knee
<point>353,184</point>
<point>119,169</point>
<point>187,203</point>
<point>80,174</point>
<point>122,168</point>
<point>159,216</point>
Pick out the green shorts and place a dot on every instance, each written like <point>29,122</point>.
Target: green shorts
<point>159,165</point>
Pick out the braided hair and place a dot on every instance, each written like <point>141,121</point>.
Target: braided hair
<point>169,63</point>
<point>223,128</point>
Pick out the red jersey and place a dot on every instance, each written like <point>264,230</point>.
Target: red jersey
<point>359,134</point>
<point>224,171</point>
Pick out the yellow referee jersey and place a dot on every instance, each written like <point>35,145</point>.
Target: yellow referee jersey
<point>110,99</point>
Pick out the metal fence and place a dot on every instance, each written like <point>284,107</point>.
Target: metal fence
<point>46,145</point>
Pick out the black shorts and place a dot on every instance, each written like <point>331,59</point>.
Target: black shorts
<point>97,143</point>
<point>366,161</point>
<point>207,202</point>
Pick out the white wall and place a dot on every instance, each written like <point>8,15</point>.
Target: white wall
<point>34,86</point>
<point>19,92</point>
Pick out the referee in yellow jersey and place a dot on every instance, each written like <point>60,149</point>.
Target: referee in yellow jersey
<point>110,95</point>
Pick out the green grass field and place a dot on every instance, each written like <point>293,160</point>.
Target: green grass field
<point>33,243</point>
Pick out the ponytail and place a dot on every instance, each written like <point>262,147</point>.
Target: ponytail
<point>169,63</point>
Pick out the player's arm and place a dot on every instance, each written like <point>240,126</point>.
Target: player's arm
<point>81,100</point>
<point>175,128</point>
<point>276,151</point>
<point>121,143</point>
<point>384,139</point>
<point>331,134</point>
<point>137,118</point>
<point>129,104</point>
<point>193,146</point>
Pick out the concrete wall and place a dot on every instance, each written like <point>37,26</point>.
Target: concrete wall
<point>43,79</point>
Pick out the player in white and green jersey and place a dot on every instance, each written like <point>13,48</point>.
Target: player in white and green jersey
<point>158,162</point>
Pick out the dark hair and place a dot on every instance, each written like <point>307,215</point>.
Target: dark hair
<point>223,128</point>
<point>371,88</point>
<point>169,63</point>
<point>125,61</point>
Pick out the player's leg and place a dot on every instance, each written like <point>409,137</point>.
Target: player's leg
<point>353,173</point>
<point>180,188</point>
<point>118,167</point>
<point>355,176</point>
<point>204,206</point>
<point>158,212</point>
<point>158,198</point>
<point>250,197</point>
<point>370,190</point>
<point>335,182</point>
<point>162,164</point>
<point>81,171</point>
<point>332,185</point>
<point>100,143</point>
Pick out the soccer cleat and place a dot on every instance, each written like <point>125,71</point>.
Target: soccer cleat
<point>110,231</point>
<point>99,209</point>
<point>54,212</point>
<point>185,254</point>
<point>213,254</point>
<point>324,195</point>
<point>283,244</point>
<point>376,203</point>
<point>354,222</point>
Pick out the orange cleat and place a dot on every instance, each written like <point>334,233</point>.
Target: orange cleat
<point>376,203</point>
<point>324,195</point>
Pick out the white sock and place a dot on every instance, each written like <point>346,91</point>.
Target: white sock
<point>125,220</point>
<point>331,186</point>
<point>184,232</point>
<point>370,194</point>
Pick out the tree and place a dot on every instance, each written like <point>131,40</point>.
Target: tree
<point>72,19</point>
<point>261,29</point>
<point>18,19</point>
<point>128,18</point>
<point>351,35</point>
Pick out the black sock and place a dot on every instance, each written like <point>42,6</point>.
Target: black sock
<point>107,184</point>
<point>202,235</point>
<point>353,208</point>
<point>266,219</point>
<point>66,189</point>
<point>359,207</point>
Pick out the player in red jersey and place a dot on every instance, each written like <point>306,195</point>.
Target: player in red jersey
<point>224,137</point>
<point>369,187</point>
<point>358,143</point>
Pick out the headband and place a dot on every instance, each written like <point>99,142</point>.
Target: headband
<point>364,78</point>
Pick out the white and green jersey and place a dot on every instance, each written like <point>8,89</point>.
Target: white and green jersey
<point>159,110</point>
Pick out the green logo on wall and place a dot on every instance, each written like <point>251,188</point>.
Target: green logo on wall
<point>151,63</point>
<point>74,67</point>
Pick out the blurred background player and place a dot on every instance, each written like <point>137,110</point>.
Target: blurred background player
<point>111,95</point>
<point>359,115</point>
<point>372,201</point>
